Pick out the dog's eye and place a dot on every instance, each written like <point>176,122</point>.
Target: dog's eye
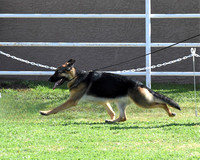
<point>68,69</point>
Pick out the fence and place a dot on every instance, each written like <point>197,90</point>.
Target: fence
<point>148,16</point>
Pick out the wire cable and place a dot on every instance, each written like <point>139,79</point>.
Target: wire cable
<point>156,51</point>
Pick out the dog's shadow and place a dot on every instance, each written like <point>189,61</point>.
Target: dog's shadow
<point>154,127</point>
<point>120,126</point>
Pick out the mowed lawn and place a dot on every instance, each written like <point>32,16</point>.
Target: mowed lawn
<point>80,132</point>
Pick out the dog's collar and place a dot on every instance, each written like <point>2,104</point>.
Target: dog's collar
<point>78,79</point>
<point>71,79</point>
<point>79,74</point>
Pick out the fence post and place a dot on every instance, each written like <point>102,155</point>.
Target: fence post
<point>148,41</point>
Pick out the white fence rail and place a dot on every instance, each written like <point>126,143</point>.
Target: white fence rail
<point>148,16</point>
<point>99,44</point>
<point>98,16</point>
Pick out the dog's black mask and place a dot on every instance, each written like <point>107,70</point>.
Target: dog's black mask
<point>62,73</point>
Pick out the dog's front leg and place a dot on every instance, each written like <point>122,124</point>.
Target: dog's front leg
<point>69,103</point>
<point>75,96</point>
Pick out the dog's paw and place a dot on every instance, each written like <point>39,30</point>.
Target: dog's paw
<point>173,114</point>
<point>44,113</point>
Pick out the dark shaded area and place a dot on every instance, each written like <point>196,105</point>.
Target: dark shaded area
<point>25,84</point>
<point>157,126</point>
<point>13,85</point>
<point>120,126</point>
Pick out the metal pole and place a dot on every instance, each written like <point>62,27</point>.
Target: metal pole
<point>193,51</point>
<point>148,41</point>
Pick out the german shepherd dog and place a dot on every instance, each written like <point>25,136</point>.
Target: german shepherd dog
<point>104,88</point>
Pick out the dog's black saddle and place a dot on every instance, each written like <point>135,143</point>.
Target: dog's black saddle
<point>84,76</point>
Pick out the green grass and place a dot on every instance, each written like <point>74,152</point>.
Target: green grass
<point>80,132</point>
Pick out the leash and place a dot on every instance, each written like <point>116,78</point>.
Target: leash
<point>138,57</point>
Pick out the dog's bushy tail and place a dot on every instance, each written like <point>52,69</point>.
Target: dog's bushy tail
<point>165,99</point>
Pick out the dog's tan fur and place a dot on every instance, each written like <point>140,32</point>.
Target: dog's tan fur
<point>73,99</point>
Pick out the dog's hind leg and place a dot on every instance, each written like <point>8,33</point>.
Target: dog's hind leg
<point>145,99</point>
<point>110,111</point>
<point>165,107</point>
<point>122,113</point>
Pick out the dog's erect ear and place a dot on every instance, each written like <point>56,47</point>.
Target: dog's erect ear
<point>68,65</point>
<point>71,61</point>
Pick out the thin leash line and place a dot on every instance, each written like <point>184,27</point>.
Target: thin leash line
<point>148,53</point>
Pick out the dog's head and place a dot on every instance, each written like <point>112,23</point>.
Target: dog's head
<point>66,72</point>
